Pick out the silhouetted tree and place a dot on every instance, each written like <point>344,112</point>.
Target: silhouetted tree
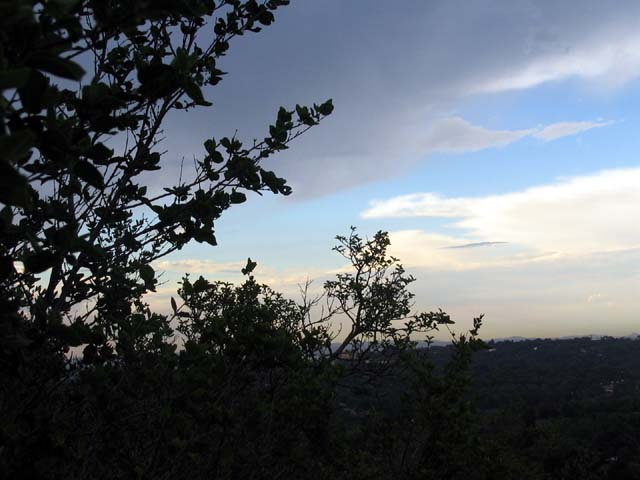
<point>79,227</point>
<point>77,147</point>
<point>253,391</point>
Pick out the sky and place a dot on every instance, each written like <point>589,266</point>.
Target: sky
<point>496,141</point>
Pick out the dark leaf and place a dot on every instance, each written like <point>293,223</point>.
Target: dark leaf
<point>90,354</point>
<point>73,335</point>
<point>278,134</point>
<point>16,146</point>
<point>94,252</point>
<point>32,94</point>
<point>216,157</point>
<point>13,78</point>
<point>210,146</point>
<point>284,115</point>
<point>326,108</point>
<point>147,274</point>
<point>14,188</point>
<point>158,80</point>
<point>60,67</point>
<point>63,238</point>
<point>204,235</point>
<point>98,152</point>
<point>251,265</point>
<point>195,93</point>
<point>13,342</point>
<point>237,197</point>
<point>89,173</point>
<point>40,261</point>
<point>174,306</point>
<point>6,218</point>
<point>266,17</point>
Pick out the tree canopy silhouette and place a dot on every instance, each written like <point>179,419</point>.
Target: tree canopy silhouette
<point>255,389</point>
<point>76,147</point>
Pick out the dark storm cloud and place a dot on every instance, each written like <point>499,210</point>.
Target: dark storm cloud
<point>393,69</point>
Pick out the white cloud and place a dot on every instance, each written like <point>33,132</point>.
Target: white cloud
<point>416,248</point>
<point>591,213</point>
<point>565,129</point>
<point>523,293</point>
<point>283,280</point>
<point>197,265</point>
<point>457,135</point>
<point>598,58</point>
<point>600,299</point>
<point>418,205</point>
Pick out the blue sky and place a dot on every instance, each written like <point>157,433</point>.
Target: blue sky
<point>455,123</point>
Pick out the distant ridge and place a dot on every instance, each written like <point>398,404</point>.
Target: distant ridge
<point>592,336</point>
<point>517,338</point>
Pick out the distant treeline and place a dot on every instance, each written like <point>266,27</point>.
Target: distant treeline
<point>546,409</point>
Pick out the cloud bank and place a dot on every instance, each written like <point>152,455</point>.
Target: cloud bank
<point>578,215</point>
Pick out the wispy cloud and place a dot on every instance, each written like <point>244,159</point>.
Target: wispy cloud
<point>196,265</point>
<point>565,129</point>
<point>285,280</point>
<point>457,135</point>
<point>600,299</point>
<point>477,245</point>
<point>417,248</point>
<point>600,59</point>
<point>582,214</point>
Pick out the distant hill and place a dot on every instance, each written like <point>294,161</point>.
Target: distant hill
<point>592,336</point>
